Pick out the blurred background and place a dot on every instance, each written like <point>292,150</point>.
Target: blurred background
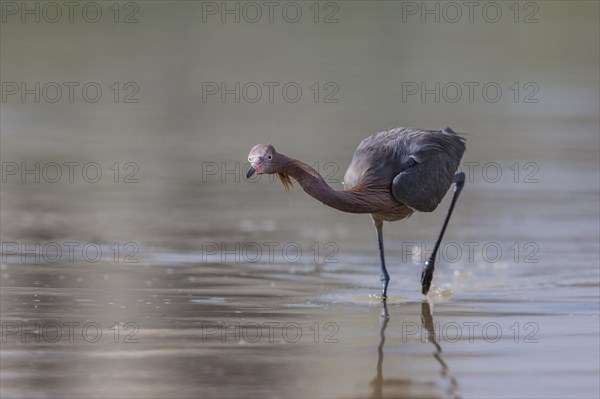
<point>125,129</point>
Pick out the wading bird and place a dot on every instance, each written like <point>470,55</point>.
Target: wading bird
<point>392,174</point>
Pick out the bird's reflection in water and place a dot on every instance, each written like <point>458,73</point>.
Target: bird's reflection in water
<point>377,382</point>
<point>427,321</point>
<point>405,386</point>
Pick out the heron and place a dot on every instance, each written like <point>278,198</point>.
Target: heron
<point>393,173</point>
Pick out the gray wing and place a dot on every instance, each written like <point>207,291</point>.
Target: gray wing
<point>418,164</point>
<point>424,184</point>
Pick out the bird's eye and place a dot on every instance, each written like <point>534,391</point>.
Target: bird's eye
<point>249,159</point>
<point>269,157</point>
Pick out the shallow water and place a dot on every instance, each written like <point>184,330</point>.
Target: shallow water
<point>193,282</point>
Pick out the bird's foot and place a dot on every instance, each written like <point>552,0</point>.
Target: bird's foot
<point>384,285</point>
<point>384,293</point>
<point>426,277</point>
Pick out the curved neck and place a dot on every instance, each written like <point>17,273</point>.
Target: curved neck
<point>363,198</point>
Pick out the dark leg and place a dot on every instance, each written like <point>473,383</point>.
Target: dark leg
<point>385,277</point>
<point>427,275</point>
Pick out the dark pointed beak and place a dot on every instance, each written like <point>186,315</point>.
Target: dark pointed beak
<point>250,172</point>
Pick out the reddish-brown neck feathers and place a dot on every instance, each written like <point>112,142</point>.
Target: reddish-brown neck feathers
<point>285,180</point>
<point>366,197</point>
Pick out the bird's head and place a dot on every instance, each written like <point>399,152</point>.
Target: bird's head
<point>265,160</point>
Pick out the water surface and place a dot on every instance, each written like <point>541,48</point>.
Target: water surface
<point>212,286</point>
